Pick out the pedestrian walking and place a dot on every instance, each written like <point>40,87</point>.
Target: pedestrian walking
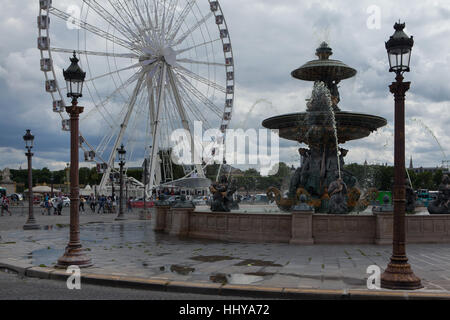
<point>5,204</point>
<point>47,204</point>
<point>129,207</point>
<point>82,201</point>
<point>108,205</point>
<point>101,203</point>
<point>59,204</point>
<point>92,202</point>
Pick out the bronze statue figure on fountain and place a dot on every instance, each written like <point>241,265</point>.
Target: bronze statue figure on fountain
<point>334,92</point>
<point>222,195</point>
<point>410,197</point>
<point>442,204</point>
<point>338,196</point>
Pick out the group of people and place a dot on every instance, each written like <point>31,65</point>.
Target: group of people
<point>56,204</point>
<point>105,204</point>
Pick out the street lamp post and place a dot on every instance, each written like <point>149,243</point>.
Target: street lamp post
<point>31,221</point>
<point>74,253</point>
<point>121,151</point>
<point>112,178</point>
<point>51,183</point>
<point>398,274</point>
<point>145,182</point>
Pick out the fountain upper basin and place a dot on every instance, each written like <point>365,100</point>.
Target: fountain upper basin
<point>308,127</point>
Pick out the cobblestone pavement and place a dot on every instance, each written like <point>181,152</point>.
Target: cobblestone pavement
<point>131,248</point>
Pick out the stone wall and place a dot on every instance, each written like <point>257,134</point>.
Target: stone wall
<point>240,227</point>
<point>299,227</point>
<point>332,228</point>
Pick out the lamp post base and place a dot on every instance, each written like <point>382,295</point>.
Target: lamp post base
<point>31,225</point>
<point>399,276</point>
<point>74,256</point>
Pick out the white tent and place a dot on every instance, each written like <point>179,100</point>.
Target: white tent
<point>43,189</point>
<point>87,191</point>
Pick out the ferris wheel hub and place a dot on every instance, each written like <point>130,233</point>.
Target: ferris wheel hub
<point>166,54</point>
<point>170,56</point>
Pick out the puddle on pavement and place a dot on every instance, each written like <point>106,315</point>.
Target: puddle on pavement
<point>44,256</point>
<point>260,273</point>
<point>183,270</point>
<point>211,258</point>
<point>258,263</point>
<point>7,270</point>
<point>174,268</point>
<point>322,278</point>
<point>236,278</point>
<point>252,277</point>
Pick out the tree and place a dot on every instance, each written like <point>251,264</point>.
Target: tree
<point>437,179</point>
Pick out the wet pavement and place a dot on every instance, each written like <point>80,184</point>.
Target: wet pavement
<point>132,248</point>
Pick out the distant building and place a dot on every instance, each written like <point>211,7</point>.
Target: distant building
<point>426,169</point>
<point>6,182</point>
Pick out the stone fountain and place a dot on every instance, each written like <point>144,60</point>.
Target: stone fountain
<point>322,128</point>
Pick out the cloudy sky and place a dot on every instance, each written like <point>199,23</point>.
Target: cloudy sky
<point>270,39</point>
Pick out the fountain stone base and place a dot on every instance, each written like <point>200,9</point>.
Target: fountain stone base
<point>299,227</point>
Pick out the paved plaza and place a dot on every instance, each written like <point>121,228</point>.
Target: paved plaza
<point>132,249</point>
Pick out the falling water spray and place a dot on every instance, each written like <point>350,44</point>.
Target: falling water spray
<point>333,122</point>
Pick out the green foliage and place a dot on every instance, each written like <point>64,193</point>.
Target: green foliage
<point>252,179</point>
<point>382,177</point>
<point>378,176</point>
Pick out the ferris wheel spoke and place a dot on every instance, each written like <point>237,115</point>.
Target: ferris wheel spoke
<point>180,51</point>
<point>192,106</point>
<point>132,138</point>
<point>102,12</point>
<point>183,116</point>
<point>176,94</point>
<point>137,65</point>
<point>130,15</point>
<point>182,70</point>
<point>179,21</point>
<point>105,35</point>
<point>186,60</point>
<point>123,126</point>
<point>148,26</point>
<point>102,104</point>
<point>118,7</point>
<point>151,101</point>
<point>96,53</point>
<point>201,97</point>
<point>156,128</point>
<point>192,29</point>
<point>172,8</point>
<point>152,27</point>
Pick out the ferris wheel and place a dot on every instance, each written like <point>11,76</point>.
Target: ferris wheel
<point>153,66</point>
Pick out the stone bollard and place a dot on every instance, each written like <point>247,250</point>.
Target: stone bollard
<point>162,210</point>
<point>145,214</point>
<point>180,218</point>
<point>302,215</point>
